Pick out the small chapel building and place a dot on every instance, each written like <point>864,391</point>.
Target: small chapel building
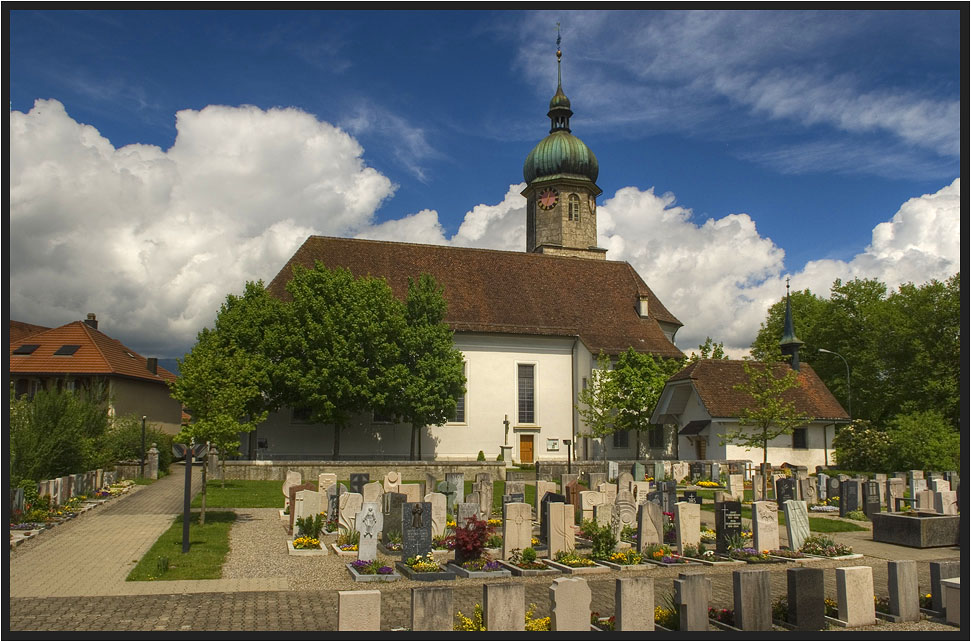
<point>529,324</point>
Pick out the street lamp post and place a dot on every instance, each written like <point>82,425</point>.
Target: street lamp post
<point>569,458</point>
<point>849,397</point>
<point>141,469</point>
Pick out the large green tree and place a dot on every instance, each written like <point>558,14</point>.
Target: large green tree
<point>638,381</point>
<point>597,404</point>
<point>433,377</point>
<point>767,414</point>
<point>902,347</point>
<point>339,352</point>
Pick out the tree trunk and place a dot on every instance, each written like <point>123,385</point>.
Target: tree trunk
<point>337,442</point>
<point>411,452</point>
<point>765,476</point>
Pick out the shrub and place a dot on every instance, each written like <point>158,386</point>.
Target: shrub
<point>924,441</point>
<point>124,441</point>
<point>310,526</point>
<point>481,456</point>
<point>470,539</point>
<point>860,446</point>
<point>604,541</point>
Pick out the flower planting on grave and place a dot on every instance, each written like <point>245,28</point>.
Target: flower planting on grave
<point>348,540</point>
<point>394,541</point>
<point>331,526</point>
<point>794,555</point>
<point>306,542</point>
<point>471,539</point>
<point>708,535</point>
<point>603,623</point>
<point>573,559</point>
<point>630,557</point>
<point>725,616</point>
<point>309,526</point>
<point>881,604</point>
<point>443,542</point>
<point>423,564</point>
<point>587,528</point>
<point>825,547</point>
<point>482,564</point>
<point>525,559</point>
<point>749,555</point>
<point>926,602</point>
<point>706,483</point>
<point>371,567</point>
<point>494,541</point>
<point>629,534</point>
<point>668,615</point>
<point>824,508</point>
<point>603,542</point>
<point>662,553</point>
<point>536,624</point>
<point>699,552</point>
<point>474,623</point>
<point>831,608</point>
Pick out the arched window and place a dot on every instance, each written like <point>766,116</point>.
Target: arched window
<point>574,214</point>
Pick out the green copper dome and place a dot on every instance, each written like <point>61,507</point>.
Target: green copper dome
<point>560,153</point>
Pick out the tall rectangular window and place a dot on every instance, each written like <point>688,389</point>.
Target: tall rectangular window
<point>621,439</point>
<point>527,394</point>
<point>799,438</point>
<point>655,437</point>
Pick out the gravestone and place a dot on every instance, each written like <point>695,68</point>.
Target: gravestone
<point>625,512</point>
<point>687,525</point>
<point>588,500</point>
<point>293,498</point>
<point>544,514</point>
<point>484,489</point>
<point>293,479</point>
<point>516,488</point>
<point>806,492</point>
<point>430,484</point>
<point>655,497</point>
<point>881,479</point>
<point>391,515</point>
<point>657,471</point>
<point>785,489</point>
<point>391,481</point>
<point>849,496</point>
<point>570,604</point>
<point>854,586</point>
<point>325,481</point>
<point>728,524</point>
<point>805,598</point>
<point>368,523</point>
<point>639,490</point>
<point>690,496</point>
<point>903,590</point>
<point>697,470</point>
<point>797,522</point>
<point>349,505</point>
<point>572,492</point>
<point>464,511</point>
<point>638,472</point>
<point>504,606</point>
<point>752,593</point>
<point>940,484</point>
<point>358,610</point>
<point>715,471</point>
<point>925,500</point>
<point>822,485</point>
<point>669,496</point>
<point>307,503</point>
<point>625,479</point>
<point>483,478</point>
<point>650,526</point>
<point>871,498</point>
<point>372,492</point>
<point>765,526</point>
<point>942,570</point>
<point>566,478</point>
<point>451,494</point>
<point>514,498</point>
<point>437,502</point>
<point>634,604</point>
<point>543,487</point>
<point>736,487</point>
<point>561,536</point>
<point>692,593</point>
<point>412,491</point>
<point>757,494</point>
<point>517,528</point>
<point>431,609</point>
<point>613,470</point>
<point>603,514</point>
<point>333,492</point>
<point>609,491</point>
<point>833,486</point>
<point>358,480</point>
<point>946,502</point>
<point>416,529</point>
<point>595,479</point>
<point>895,489</point>
<point>456,481</point>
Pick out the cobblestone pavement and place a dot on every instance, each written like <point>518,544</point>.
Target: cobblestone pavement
<point>87,559</point>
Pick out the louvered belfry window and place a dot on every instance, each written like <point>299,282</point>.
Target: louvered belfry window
<point>574,214</point>
<point>527,396</point>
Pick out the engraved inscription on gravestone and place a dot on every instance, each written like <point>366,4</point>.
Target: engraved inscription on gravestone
<point>728,524</point>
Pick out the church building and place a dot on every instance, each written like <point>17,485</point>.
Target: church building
<point>529,324</point>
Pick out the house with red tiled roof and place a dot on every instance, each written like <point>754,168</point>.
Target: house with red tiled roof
<point>701,403</point>
<point>77,354</point>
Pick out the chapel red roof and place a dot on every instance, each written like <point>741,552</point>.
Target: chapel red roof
<point>495,291</point>
<point>715,381</point>
<point>96,354</point>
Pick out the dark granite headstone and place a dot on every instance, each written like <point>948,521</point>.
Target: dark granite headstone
<point>805,595</point>
<point>669,495</point>
<point>638,471</point>
<point>690,496</point>
<point>416,529</point>
<point>544,511</point>
<point>871,497</point>
<point>849,496</point>
<point>358,480</point>
<point>785,489</point>
<point>391,510</point>
<point>519,498</point>
<point>573,493</point>
<point>942,570</point>
<point>655,496</point>
<point>728,523</point>
<point>697,469</point>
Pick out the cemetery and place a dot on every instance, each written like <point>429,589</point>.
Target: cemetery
<point>653,537</point>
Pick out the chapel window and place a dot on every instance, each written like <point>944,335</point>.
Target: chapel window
<point>574,214</point>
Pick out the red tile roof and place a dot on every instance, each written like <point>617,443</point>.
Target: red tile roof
<point>496,291</point>
<point>98,354</point>
<point>715,381</point>
<point>20,330</point>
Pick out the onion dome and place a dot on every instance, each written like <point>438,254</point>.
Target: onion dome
<point>561,152</point>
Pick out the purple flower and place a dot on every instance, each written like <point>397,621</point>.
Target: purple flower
<point>385,570</point>
<point>359,564</point>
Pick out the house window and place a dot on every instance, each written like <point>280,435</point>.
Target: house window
<point>621,439</point>
<point>459,416</point>
<point>799,438</point>
<point>381,417</point>
<point>527,394</point>
<point>574,214</point>
<point>655,437</point>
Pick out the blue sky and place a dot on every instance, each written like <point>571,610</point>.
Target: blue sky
<point>735,149</point>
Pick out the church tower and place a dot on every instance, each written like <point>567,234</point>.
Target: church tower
<point>789,343</point>
<point>561,189</point>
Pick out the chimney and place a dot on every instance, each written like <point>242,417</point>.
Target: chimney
<point>153,365</point>
<point>92,320</point>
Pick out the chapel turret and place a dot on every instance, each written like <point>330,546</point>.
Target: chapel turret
<point>561,190</point>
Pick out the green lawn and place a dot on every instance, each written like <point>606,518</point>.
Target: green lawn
<point>239,493</point>
<point>208,547</point>
<point>498,490</point>
<point>818,524</point>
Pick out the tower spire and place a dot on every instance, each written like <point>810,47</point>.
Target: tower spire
<point>790,343</point>
<point>560,112</point>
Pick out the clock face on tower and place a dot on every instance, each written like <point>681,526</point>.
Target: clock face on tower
<point>547,198</point>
